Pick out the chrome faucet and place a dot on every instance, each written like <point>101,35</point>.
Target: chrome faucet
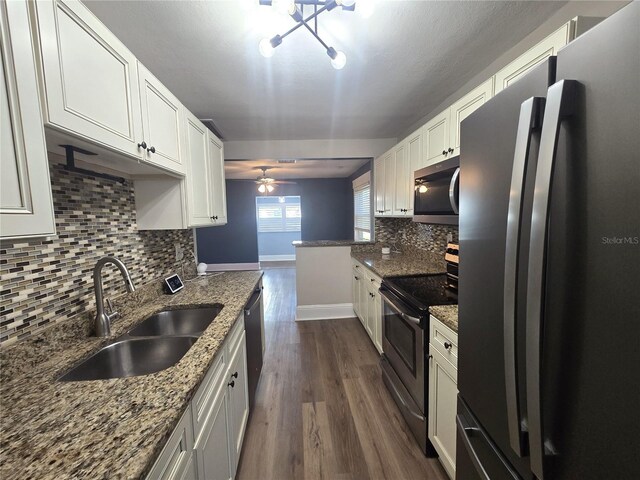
<point>103,319</point>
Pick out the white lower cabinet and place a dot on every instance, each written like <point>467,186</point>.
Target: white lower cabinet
<point>443,393</point>
<point>367,302</point>
<point>207,442</point>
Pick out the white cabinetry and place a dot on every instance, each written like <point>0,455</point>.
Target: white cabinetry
<point>436,138</point>
<point>443,392</point>
<point>368,302</point>
<point>161,123</point>
<point>465,107</point>
<point>198,181</point>
<point>207,442</point>
<point>26,205</point>
<point>217,180</point>
<point>379,183</point>
<point>90,78</point>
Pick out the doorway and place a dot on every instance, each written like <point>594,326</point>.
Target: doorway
<point>279,224</point>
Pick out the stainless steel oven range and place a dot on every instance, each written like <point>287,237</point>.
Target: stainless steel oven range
<point>405,331</point>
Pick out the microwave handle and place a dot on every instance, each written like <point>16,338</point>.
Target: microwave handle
<point>452,190</point>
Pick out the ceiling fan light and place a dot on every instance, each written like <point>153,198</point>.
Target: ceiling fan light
<point>265,47</point>
<point>295,13</point>
<point>270,188</point>
<point>338,58</point>
<point>346,3</point>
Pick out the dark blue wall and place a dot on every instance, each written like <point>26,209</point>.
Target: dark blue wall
<point>327,214</point>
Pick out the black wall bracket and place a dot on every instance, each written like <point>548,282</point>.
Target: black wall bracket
<point>71,164</point>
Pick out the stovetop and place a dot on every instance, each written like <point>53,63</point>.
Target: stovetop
<point>423,291</point>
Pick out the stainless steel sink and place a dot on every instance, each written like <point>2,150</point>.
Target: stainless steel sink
<point>131,357</point>
<point>185,321</point>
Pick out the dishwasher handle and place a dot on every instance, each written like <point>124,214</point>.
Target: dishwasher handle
<point>247,310</point>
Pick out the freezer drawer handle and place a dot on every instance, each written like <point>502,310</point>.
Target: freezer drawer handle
<point>560,105</point>
<point>530,121</point>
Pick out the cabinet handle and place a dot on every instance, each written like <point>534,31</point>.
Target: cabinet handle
<point>372,279</point>
<point>143,144</point>
<point>151,149</point>
<point>215,217</point>
<point>357,278</point>
<point>235,375</point>
<point>231,384</point>
<point>447,345</point>
<point>450,150</point>
<point>444,152</point>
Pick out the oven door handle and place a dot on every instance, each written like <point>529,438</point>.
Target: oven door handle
<point>404,404</point>
<point>389,297</point>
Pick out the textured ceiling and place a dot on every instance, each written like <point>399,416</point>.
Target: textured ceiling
<point>401,62</point>
<point>321,168</point>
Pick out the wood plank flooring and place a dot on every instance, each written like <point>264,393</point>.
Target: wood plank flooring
<point>322,411</point>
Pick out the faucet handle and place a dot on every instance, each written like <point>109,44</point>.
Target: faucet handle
<point>110,305</point>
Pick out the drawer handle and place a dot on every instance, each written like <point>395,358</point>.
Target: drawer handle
<point>447,345</point>
<point>231,384</point>
<point>235,375</point>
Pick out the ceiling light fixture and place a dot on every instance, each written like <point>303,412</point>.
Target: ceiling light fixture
<point>296,10</point>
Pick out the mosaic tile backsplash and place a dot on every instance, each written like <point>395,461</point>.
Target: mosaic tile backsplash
<point>404,231</point>
<point>51,279</point>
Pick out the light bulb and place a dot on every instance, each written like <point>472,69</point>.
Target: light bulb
<point>262,188</point>
<point>365,8</point>
<point>347,3</point>
<point>284,6</point>
<point>269,188</point>
<point>339,61</point>
<point>265,47</point>
<point>423,189</point>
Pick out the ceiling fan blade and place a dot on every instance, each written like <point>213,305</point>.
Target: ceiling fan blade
<point>283,182</point>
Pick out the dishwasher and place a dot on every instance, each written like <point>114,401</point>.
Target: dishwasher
<point>254,331</point>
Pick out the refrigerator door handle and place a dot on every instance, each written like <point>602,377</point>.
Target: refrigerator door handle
<point>530,120</point>
<point>559,105</point>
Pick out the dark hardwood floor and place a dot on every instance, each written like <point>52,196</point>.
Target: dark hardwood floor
<point>322,411</point>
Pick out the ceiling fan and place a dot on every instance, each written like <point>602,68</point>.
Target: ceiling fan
<point>267,184</point>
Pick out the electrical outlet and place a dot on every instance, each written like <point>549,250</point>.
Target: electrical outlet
<point>449,237</point>
<point>179,252</point>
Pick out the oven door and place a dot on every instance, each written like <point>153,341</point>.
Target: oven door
<point>403,343</point>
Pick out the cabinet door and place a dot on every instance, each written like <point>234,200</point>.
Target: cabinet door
<point>378,180</point>
<point>91,78</point>
<point>389,183</point>
<point>378,321</point>
<point>355,290</point>
<point>414,161</point>
<point>198,174</point>
<point>443,391</point>
<point>401,185</point>
<point>465,107</point>
<point>26,204</point>
<point>176,456</point>
<point>212,450</point>
<point>161,123</point>
<point>532,57</point>
<point>238,399</point>
<point>218,186</point>
<point>436,138</point>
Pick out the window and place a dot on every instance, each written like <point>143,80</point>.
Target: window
<point>280,214</point>
<point>362,212</point>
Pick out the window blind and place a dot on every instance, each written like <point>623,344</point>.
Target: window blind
<point>279,218</point>
<point>362,212</point>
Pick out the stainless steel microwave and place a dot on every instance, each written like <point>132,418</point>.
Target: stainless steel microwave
<point>436,193</point>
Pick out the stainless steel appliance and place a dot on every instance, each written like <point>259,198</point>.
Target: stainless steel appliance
<point>549,268</point>
<point>253,324</point>
<point>405,327</point>
<point>436,193</point>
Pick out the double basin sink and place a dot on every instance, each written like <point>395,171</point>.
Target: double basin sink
<point>157,343</point>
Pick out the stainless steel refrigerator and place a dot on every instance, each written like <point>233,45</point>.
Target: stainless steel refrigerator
<point>549,275</point>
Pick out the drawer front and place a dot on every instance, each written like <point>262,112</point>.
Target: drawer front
<point>203,399</point>
<point>373,279</point>
<point>234,336</point>
<point>176,454</point>
<point>444,340</point>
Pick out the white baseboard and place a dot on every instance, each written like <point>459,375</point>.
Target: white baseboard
<point>324,312</point>
<point>277,258</point>
<point>227,267</point>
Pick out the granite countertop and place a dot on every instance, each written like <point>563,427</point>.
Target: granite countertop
<point>411,261</point>
<point>328,243</point>
<point>447,314</point>
<point>105,428</point>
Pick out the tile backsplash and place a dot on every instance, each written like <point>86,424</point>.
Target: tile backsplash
<point>404,231</point>
<point>51,279</point>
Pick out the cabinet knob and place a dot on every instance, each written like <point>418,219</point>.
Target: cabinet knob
<point>231,384</point>
<point>143,144</point>
<point>151,149</point>
<point>357,278</point>
<point>235,375</point>
<point>447,345</point>
<point>450,150</point>
<point>444,152</point>
<point>215,217</point>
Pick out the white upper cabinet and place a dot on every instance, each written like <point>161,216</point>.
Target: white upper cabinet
<point>465,107</point>
<point>198,181</point>
<point>436,138</point>
<point>415,162</point>
<point>378,178</point>
<point>26,205</point>
<point>389,182</point>
<point>90,78</point>
<point>400,196</point>
<point>217,180</point>
<point>161,123</point>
